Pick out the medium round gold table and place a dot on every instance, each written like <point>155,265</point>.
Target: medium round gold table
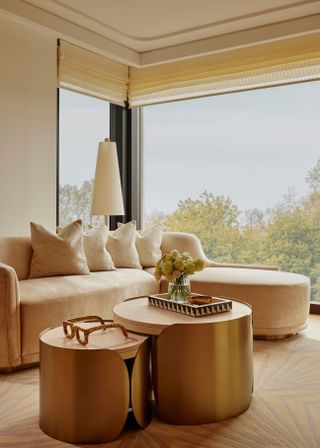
<point>202,368</point>
<point>86,390</point>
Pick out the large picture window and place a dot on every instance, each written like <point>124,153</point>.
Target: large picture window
<point>83,123</point>
<point>242,172</point>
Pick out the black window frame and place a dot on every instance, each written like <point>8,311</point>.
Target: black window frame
<point>121,132</point>
<point>126,127</point>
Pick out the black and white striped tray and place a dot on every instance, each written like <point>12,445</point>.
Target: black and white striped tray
<point>219,305</point>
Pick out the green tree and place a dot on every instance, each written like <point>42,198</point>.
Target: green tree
<point>289,202</point>
<point>155,217</point>
<point>214,219</point>
<point>255,219</point>
<point>75,203</point>
<point>293,241</point>
<point>253,246</point>
<point>253,231</point>
<point>287,236</point>
<point>313,177</point>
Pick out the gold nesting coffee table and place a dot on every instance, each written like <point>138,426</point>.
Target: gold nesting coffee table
<point>202,368</point>
<point>87,390</point>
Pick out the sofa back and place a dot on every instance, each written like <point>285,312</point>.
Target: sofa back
<point>16,252</point>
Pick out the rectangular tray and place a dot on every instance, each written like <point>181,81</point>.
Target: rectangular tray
<point>220,305</point>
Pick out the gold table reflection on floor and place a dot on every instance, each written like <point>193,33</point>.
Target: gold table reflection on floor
<point>202,367</point>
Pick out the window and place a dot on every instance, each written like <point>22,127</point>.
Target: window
<point>242,172</point>
<point>84,122</point>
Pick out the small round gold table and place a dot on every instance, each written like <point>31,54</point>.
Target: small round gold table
<point>202,368</point>
<point>86,390</point>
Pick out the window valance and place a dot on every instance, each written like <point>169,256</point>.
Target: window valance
<point>277,63</point>
<point>89,73</point>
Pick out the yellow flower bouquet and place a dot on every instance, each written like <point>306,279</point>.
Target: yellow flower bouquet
<point>176,268</point>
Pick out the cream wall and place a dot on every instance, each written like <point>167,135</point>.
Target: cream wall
<point>27,128</point>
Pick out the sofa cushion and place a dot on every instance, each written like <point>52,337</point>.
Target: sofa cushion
<point>60,254</point>
<point>148,242</point>
<point>46,302</point>
<point>94,245</point>
<point>122,248</point>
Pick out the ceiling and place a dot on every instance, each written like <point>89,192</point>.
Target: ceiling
<point>146,32</point>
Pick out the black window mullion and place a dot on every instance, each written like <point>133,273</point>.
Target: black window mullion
<point>57,157</point>
<point>120,132</point>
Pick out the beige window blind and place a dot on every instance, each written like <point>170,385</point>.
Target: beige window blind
<point>89,73</point>
<point>283,62</point>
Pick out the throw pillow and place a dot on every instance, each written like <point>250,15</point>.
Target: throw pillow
<point>60,254</point>
<point>122,248</point>
<point>94,244</point>
<point>148,242</point>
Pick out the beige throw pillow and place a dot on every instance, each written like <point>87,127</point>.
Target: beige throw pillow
<point>122,248</point>
<point>148,242</point>
<point>60,254</point>
<point>94,244</point>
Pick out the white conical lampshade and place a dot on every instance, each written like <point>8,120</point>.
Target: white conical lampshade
<point>107,194</point>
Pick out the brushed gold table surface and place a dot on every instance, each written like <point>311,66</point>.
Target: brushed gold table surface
<point>110,339</point>
<point>136,315</point>
<point>86,391</point>
<point>202,366</point>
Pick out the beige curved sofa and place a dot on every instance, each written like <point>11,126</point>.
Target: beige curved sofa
<point>280,300</point>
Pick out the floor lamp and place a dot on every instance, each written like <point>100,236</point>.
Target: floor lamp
<point>107,194</point>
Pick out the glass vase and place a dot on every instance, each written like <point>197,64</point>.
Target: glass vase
<point>179,290</point>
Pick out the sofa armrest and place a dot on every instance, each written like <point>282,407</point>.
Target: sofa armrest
<point>10,340</point>
<point>183,242</point>
<point>187,242</point>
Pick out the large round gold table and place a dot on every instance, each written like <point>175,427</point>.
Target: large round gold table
<point>202,367</point>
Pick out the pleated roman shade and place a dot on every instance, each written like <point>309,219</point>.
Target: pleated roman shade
<point>277,63</point>
<point>89,73</point>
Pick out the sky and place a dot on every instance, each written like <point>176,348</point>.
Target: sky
<point>249,146</point>
<point>84,122</point>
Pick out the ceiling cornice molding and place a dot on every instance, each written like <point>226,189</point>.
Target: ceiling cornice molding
<point>63,29</point>
<point>59,8</point>
<point>231,41</point>
<point>38,18</point>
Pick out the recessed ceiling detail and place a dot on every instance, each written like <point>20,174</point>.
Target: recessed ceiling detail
<point>148,32</point>
<point>145,25</point>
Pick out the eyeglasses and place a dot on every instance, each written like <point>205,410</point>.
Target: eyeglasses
<point>71,329</point>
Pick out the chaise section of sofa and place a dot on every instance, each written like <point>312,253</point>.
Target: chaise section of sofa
<point>280,300</point>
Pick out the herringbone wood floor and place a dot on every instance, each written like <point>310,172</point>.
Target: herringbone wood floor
<point>285,410</point>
